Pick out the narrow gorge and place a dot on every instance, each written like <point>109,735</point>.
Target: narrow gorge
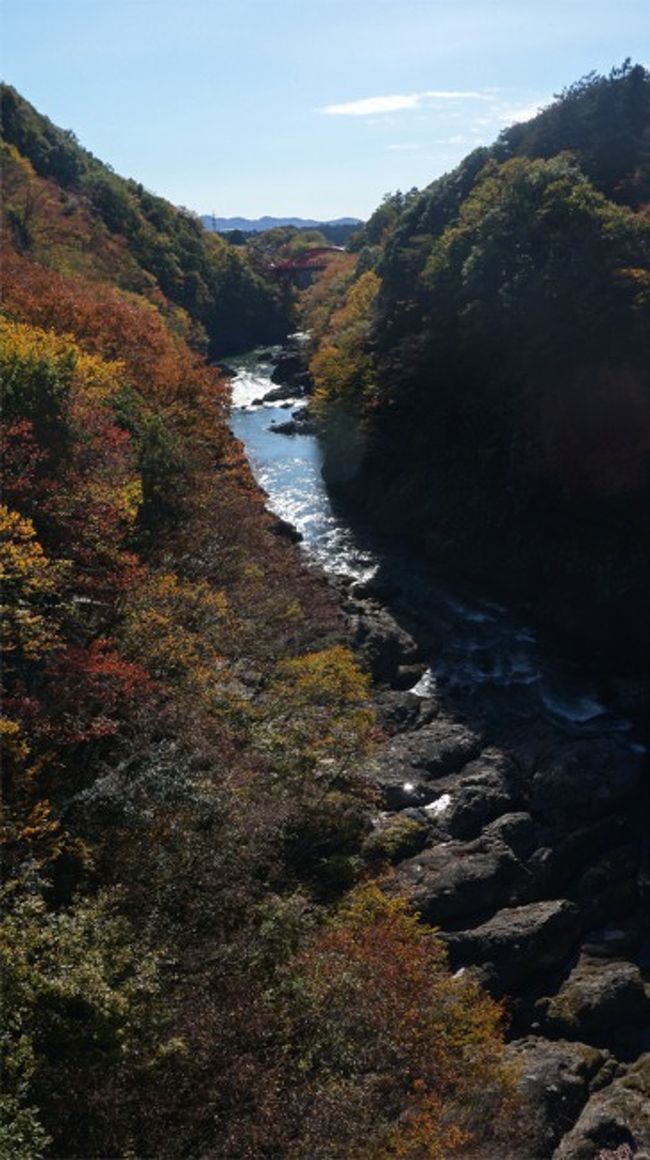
<point>512,791</point>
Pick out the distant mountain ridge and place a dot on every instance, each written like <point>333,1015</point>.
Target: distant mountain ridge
<point>257,225</point>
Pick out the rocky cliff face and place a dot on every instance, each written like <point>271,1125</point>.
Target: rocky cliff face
<point>524,843</point>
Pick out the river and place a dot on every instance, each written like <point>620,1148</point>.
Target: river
<point>481,647</point>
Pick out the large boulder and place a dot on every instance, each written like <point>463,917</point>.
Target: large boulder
<point>284,393</point>
<point>382,642</point>
<point>607,889</point>
<point>615,1117</point>
<point>287,367</point>
<point>555,1081</point>
<point>287,427</point>
<point>602,1002</point>
<point>304,421</point>
<point>398,710</point>
<point>517,830</point>
<point>285,530</point>
<point>406,765</point>
<point>481,792</point>
<point>567,851</point>
<point>518,942</point>
<point>454,880</point>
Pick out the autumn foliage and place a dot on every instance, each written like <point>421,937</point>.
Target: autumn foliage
<point>182,730</point>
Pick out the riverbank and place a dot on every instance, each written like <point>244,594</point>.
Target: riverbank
<point>514,805</point>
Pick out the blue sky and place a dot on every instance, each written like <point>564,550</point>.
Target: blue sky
<point>301,107</point>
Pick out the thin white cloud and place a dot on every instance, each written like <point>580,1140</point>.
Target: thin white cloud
<point>369,106</point>
<point>455,95</point>
<point>514,116</point>
<point>501,115</point>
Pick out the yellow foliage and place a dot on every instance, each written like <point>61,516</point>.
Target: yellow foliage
<point>377,1005</point>
<point>317,708</point>
<point>125,499</point>
<point>22,343</point>
<point>94,379</point>
<point>341,367</point>
<point>40,824</point>
<point>638,280</point>
<point>29,581</point>
<point>13,741</point>
<point>9,153</point>
<point>97,378</point>
<point>177,629</point>
<point>329,678</point>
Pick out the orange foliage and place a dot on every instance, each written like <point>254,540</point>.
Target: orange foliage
<point>160,632</point>
<point>117,325</point>
<point>376,1005</point>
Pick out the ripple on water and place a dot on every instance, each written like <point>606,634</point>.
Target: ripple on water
<point>578,709</point>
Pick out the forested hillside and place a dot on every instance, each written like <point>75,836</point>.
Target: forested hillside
<point>196,960</point>
<point>483,377</point>
<point>161,246</point>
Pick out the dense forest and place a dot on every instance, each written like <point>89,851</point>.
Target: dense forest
<point>197,956</point>
<point>482,375</point>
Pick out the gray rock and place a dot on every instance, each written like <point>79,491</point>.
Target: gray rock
<point>280,394</point>
<point>555,1080</point>
<point>482,791</point>
<point>603,1002</point>
<point>304,382</point>
<point>289,427</point>
<point>615,941</point>
<point>407,676</point>
<point>383,643</point>
<point>608,889</point>
<point>454,880</point>
<point>398,710</point>
<point>617,1115</point>
<point>375,588</point>
<point>287,367</point>
<point>517,830</point>
<point>404,766</point>
<point>567,849</point>
<point>518,942</point>
<point>283,528</point>
<point>304,422</point>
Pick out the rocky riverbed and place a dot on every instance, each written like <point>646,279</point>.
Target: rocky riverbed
<point>514,815</point>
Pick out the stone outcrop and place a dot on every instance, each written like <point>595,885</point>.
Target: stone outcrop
<point>288,366</point>
<point>615,1117</point>
<point>555,1079</point>
<point>382,643</point>
<point>518,942</point>
<point>452,881</point>
<point>519,836</point>
<point>603,1002</point>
